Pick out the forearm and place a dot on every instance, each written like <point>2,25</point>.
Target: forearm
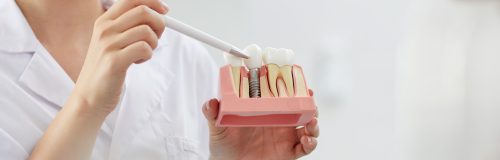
<point>72,134</point>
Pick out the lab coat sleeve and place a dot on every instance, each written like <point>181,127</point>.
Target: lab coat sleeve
<point>10,149</point>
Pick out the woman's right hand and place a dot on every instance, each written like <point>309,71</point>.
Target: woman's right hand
<point>125,34</point>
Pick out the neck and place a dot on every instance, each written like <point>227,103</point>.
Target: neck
<point>61,21</point>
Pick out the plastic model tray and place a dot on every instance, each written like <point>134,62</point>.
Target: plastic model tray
<point>261,112</point>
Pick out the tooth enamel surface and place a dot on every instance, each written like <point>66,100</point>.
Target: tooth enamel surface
<point>255,54</point>
<point>279,66</point>
<point>276,56</point>
<point>267,53</point>
<point>235,63</point>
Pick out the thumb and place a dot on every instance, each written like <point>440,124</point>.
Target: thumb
<point>211,111</point>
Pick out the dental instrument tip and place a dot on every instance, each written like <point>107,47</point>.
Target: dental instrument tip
<point>238,53</point>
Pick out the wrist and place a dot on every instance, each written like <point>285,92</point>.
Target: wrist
<point>84,108</point>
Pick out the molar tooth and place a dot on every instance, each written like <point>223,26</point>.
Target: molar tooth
<point>273,69</point>
<point>279,66</point>
<point>235,63</point>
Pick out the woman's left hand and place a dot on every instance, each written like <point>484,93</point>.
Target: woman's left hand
<point>258,142</point>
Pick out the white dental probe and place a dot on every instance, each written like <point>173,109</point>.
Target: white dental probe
<point>203,37</point>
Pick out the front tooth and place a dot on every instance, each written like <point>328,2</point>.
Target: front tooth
<point>279,67</point>
<point>235,63</point>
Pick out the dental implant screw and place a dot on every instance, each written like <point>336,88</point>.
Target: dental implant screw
<point>254,83</point>
<point>253,63</point>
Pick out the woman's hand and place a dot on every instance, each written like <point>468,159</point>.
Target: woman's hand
<point>127,33</point>
<point>252,143</point>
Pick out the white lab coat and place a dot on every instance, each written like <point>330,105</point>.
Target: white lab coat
<point>158,117</point>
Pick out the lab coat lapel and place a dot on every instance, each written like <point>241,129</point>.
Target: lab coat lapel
<point>44,77</point>
<point>146,85</point>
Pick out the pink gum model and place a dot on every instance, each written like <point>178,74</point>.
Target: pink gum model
<point>261,112</point>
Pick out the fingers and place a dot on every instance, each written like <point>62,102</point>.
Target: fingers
<point>136,34</point>
<point>310,129</point>
<point>306,146</point>
<point>211,110</point>
<point>140,15</point>
<point>122,6</point>
<point>131,28</point>
<point>136,53</point>
<point>311,93</point>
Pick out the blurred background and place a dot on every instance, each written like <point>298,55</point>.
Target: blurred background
<point>393,79</point>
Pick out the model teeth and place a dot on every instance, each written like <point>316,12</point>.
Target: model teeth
<point>235,63</point>
<point>280,77</point>
<point>255,54</point>
<point>253,63</point>
<point>279,66</point>
<point>268,53</point>
<point>286,57</point>
<point>286,71</point>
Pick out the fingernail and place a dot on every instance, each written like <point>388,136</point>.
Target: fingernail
<point>311,126</point>
<point>214,102</point>
<point>207,106</point>
<point>165,6</point>
<point>309,140</point>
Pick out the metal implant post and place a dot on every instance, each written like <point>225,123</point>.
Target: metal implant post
<point>253,63</point>
<point>254,83</point>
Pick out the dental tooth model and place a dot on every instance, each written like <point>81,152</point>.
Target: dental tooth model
<point>235,63</point>
<point>253,64</point>
<point>279,69</point>
<point>273,94</point>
